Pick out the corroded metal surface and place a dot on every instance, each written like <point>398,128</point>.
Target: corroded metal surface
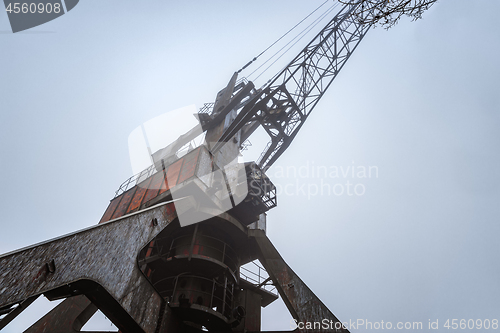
<point>100,262</point>
<point>303,304</point>
<point>68,317</point>
<point>14,310</point>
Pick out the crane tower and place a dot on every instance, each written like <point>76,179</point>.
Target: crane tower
<point>168,254</point>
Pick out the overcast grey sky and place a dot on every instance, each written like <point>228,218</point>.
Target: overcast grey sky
<point>419,102</point>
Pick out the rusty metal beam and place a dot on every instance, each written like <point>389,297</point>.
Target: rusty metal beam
<point>14,312</point>
<point>100,262</point>
<point>68,317</point>
<point>303,304</point>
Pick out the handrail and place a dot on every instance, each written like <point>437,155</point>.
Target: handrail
<point>257,278</point>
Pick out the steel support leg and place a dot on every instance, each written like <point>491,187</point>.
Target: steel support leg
<point>68,317</point>
<point>303,304</point>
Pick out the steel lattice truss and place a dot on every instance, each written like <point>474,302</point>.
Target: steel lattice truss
<point>282,107</point>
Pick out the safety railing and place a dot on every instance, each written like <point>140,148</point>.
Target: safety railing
<point>135,179</point>
<point>211,293</point>
<point>257,275</point>
<point>207,108</point>
<point>260,185</point>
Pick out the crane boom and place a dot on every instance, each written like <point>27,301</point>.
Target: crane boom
<point>284,104</point>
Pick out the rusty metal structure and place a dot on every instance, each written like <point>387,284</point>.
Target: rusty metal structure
<point>169,252</point>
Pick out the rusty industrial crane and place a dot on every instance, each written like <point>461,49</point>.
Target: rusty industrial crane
<point>167,255</point>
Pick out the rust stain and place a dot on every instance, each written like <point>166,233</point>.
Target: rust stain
<point>111,209</point>
<point>139,194</point>
<point>122,207</point>
<point>157,184</point>
<point>173,173</point>
<point>188,169</point>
